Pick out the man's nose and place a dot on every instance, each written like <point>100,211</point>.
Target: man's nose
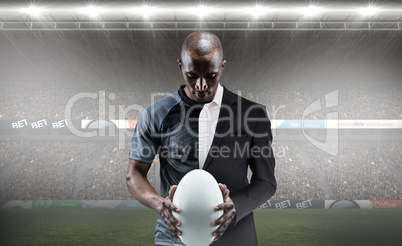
<point>201,84</point>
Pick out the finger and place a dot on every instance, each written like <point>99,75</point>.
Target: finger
<point>216,234</point>
<point>172,191</point>
<point>174,188</point>
<point>172,219</point>
<point>175,208</point>
<point>171,206</point>
<point>167,213</point>
<point>178,238</point>
<point>225,206</point>
<point>168,205</point>
<point>224,217</point>
<point>165,216</point>
<point>220,220</point>
<point>215,223</point>
<point>222,186</point>
<point>225,191</point>
<point>169,218</point>
<point>171,224</point>
<point>175,233</point>
<point>221,229</point>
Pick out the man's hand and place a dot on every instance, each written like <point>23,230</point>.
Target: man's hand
<point>167,215</point>
<point>229,212</point>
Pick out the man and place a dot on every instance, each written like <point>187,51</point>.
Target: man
<point>204,125</point>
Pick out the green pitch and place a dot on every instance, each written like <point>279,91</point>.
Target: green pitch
<point>136,227</point>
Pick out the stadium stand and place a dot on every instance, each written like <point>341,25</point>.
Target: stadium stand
<point>48,170</point>
<point>354,103</point>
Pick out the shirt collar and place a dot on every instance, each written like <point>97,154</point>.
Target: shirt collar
<point>184,97</point>
<point>217,101</point>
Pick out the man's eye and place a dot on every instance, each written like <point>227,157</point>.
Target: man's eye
<point>211,76</point>
<point>191,76</point>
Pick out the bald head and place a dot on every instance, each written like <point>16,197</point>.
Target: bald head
<point>201,65</point>
<point>202,43</point>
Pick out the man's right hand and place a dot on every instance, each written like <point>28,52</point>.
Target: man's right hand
<point>166,213</point>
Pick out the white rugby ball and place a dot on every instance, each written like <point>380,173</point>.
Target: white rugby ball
<point>196,195</point>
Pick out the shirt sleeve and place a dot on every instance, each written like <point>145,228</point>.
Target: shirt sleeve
<point>145,140</point>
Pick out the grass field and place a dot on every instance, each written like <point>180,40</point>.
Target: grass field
<point>136,227</point>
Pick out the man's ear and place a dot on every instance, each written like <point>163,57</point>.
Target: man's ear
<point>179,63</point>
<point>223,64</point>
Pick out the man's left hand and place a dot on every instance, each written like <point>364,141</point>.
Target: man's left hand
<point>229,212</point>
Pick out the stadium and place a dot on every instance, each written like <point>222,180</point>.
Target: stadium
<point>76,75</point>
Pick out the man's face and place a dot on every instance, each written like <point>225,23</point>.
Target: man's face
<point>201,74</point>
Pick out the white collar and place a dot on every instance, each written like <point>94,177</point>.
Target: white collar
<point>218,97</point>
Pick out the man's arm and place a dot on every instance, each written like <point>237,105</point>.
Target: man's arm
<point>140,188</point>
<point>263,183</point>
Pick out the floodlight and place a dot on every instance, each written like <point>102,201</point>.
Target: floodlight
<point>32,10</point>
<point>91,11</point>
<point>370,10</point>
<point>256,11</point>
<point>311,10</point>
<point>202,11</point>
<point>145,10</point>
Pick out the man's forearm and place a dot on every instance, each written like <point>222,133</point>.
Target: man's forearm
<point>251,196</point>
<point>140,188</point>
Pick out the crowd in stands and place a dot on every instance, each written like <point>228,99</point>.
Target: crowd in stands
<point>10,152</point>
<point>108,180</point>
<point>360,104</point>
<point>43,170</point>
<point>391,153</point>
<point>295,179</point>
<point>360,170</point>
<point>50,103</point>
<point>283,104</point>
<point>133,102</point>
<point>48,170</point>
<point>44,103</point>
